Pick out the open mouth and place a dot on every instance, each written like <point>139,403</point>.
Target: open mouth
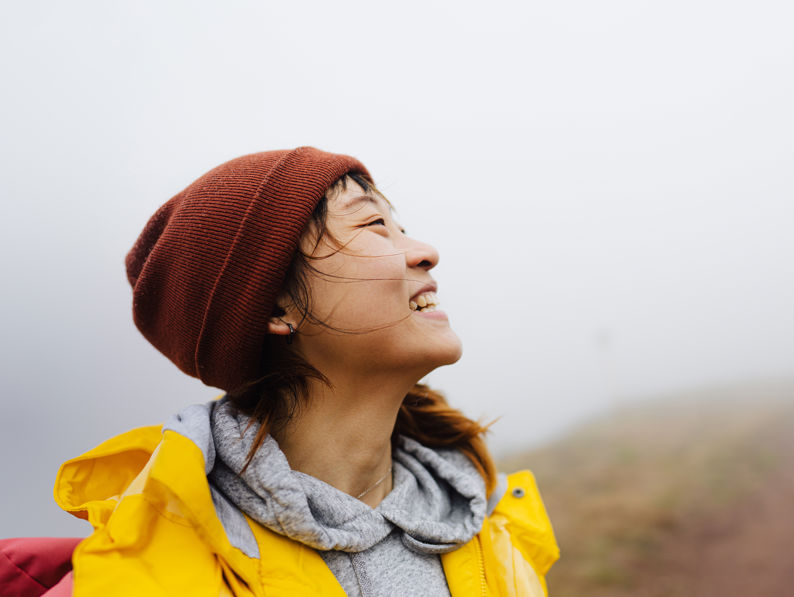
<point>427,301</point>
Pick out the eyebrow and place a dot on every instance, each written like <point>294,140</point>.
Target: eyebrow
<point>359,199</point>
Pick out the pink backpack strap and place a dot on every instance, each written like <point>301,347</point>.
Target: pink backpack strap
<point>63,588</point>
<point>31,566</point>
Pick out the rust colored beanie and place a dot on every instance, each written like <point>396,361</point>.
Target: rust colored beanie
<point>209,264</point>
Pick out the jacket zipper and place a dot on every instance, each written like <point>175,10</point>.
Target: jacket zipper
<point>481,560</point>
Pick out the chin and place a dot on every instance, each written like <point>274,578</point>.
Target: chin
<point>454,354</point>
<point>447,355</point>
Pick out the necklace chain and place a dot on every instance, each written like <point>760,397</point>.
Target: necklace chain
<point>374,485</point>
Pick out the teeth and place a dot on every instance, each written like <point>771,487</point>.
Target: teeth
<point>427,301</point>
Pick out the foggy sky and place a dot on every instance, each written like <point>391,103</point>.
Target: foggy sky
<point>609,186</point>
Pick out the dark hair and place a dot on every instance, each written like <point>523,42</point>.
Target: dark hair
<point>278,394</point>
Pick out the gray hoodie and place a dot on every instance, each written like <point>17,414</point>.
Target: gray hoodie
<point>436,505</point>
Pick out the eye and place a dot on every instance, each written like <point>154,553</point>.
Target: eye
<point>378,222</point>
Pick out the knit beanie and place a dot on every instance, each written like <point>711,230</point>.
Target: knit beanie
<point>207,268</point>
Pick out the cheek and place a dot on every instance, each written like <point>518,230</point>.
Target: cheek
<point>360,292</point>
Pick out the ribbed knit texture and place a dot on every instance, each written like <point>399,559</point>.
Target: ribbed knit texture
<point>209,264</point>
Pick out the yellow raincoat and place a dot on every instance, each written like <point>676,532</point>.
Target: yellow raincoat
<point>156,533</point>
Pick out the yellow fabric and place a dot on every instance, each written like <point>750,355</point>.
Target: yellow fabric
<point>156,533</point>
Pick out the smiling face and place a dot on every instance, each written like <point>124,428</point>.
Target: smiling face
<point>373,300</point>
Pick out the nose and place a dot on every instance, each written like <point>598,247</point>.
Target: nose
<point>419,254</point>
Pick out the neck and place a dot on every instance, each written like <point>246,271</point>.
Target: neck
<point>343,435</point>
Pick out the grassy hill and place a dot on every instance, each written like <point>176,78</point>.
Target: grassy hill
<point>686,495</point>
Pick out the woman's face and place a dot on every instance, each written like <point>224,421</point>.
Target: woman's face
<point>374,291</point>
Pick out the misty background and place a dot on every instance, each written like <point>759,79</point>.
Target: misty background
<point>609,186</point>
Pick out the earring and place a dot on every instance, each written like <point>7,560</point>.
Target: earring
<point>291,333</point>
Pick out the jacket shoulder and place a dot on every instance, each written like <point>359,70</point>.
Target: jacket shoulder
<point>522,513</point>
<point>146,494</point>
<point>104,471</point>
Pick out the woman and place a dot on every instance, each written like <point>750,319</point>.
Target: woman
<point>284,279</point>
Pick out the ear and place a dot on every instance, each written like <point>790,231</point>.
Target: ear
<point>275,325</point>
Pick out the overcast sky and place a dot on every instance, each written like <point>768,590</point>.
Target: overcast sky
<point>609,184</point>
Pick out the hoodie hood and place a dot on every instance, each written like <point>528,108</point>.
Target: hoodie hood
<point>437,502</point>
